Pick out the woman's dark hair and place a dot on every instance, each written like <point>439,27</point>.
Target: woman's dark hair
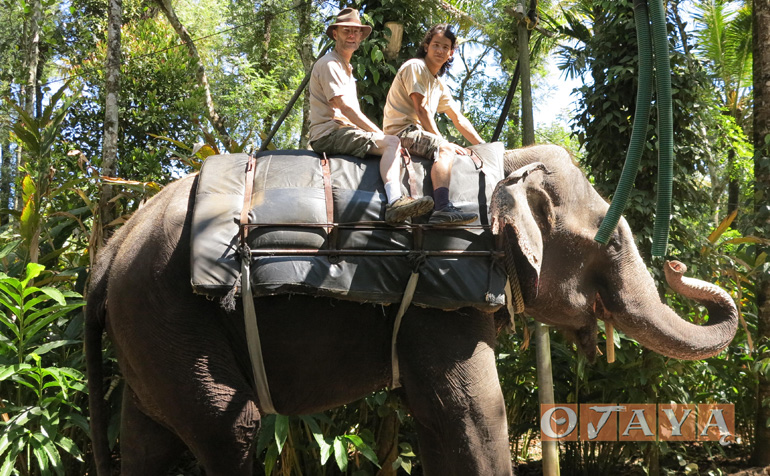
<point>443,29</point>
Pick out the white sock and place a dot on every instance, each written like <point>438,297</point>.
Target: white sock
<point>393,191</point>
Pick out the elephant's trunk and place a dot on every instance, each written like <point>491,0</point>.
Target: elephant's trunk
<point>659,328</point>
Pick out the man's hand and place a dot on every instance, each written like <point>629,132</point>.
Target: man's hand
<point>378,136</point>
<point>459,150</point>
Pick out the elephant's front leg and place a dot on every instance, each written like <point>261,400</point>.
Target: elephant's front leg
<point>451,384</point>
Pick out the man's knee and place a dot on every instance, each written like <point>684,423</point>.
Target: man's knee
<point>445,152</point>
<point>391,142</point>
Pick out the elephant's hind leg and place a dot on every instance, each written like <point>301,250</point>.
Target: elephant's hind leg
<point>147,448</point>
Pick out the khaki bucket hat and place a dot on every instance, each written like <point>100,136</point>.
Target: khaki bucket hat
<point>349,17</point>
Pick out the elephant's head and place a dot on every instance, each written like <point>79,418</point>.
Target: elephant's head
<point>548,214</point>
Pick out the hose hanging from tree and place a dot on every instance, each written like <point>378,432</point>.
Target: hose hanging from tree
<point>641,118</point>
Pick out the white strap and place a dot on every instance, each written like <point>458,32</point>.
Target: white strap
<point>411,285</point>
<point>252,339</point>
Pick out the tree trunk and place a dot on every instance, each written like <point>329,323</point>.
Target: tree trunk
<point>306,55</point>
<point>216,120</point>
<point>387,438</point>
<point>7,168</point>
<point>761,47</point>
<point>110,141</point>
<point>31,38</point>
<point>31,56</point>
<point>267,31</point>
<point>528,121</point>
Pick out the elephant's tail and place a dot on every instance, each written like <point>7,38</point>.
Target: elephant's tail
<point>98,408</point>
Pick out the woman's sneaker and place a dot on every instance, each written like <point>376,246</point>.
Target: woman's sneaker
<point>451,215</point>
<point>406,207</point>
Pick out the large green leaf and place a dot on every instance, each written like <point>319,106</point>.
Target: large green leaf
<point>281,431</point>
<point>341,453</point>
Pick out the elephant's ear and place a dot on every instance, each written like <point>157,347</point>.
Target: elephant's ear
<point>522,212</point>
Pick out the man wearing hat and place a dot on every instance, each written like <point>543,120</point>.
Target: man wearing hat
<point>337,125</point>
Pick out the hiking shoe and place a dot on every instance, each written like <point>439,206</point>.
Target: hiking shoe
<point>451,215</point>
<point>405,207</point>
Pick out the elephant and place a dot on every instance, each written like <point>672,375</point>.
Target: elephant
<point>187,374</point>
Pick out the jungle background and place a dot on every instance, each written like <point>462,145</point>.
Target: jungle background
<point>105,101</point>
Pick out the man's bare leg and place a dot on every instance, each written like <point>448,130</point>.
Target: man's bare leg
<point>399,208</point>
<point>444,213</point>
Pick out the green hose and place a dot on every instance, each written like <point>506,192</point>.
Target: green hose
<point>665,128</point>
<point>639,132</point>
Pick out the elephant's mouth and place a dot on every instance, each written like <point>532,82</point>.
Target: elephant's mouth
<point>517,263</point>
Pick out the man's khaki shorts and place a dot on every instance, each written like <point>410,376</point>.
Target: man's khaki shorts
<point>419,142</point>
<point>345,141</point>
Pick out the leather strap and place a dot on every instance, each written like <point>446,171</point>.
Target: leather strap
<point>477,161</point>
<point>251,168</point>
<point>327,174</point>
<point>252,337</point>
<point>411,285</point>
<point>249,311</point>
<point>609,331</point>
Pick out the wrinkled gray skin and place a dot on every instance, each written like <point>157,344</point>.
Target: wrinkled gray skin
<point>186,368</point>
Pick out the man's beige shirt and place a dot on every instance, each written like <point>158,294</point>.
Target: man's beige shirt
<point>331,76</point>
<point>414,77</point>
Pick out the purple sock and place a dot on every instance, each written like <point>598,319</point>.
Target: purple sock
<point>440,198</point>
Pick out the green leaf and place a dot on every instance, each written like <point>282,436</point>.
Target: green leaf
<point>270,458</point>
<point>68,186</point>
<point>405,449</point>
<point>10,325</point>
<point>8,248</point>
<point>27,138</point>
<point>28,188</point>
<point>177,143</point>
<point>29,220</point>
<point>281,431</point>
<point>59,311</point>
<point>315,429</point>
<point>69,446</point>
<point>8,464</point>
<point>33,271</point>
<point>54,294</point>
<point>40,455</point>
<point>9,371</point>
<point>266,433</point>
<point>51,453</point>
<point>326,450</point>
<point>363,448</point>
<point>341,454</point>
<point>377,55</point>
<point>49,346</point>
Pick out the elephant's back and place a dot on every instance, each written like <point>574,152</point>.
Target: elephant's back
<point>157,236</point>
